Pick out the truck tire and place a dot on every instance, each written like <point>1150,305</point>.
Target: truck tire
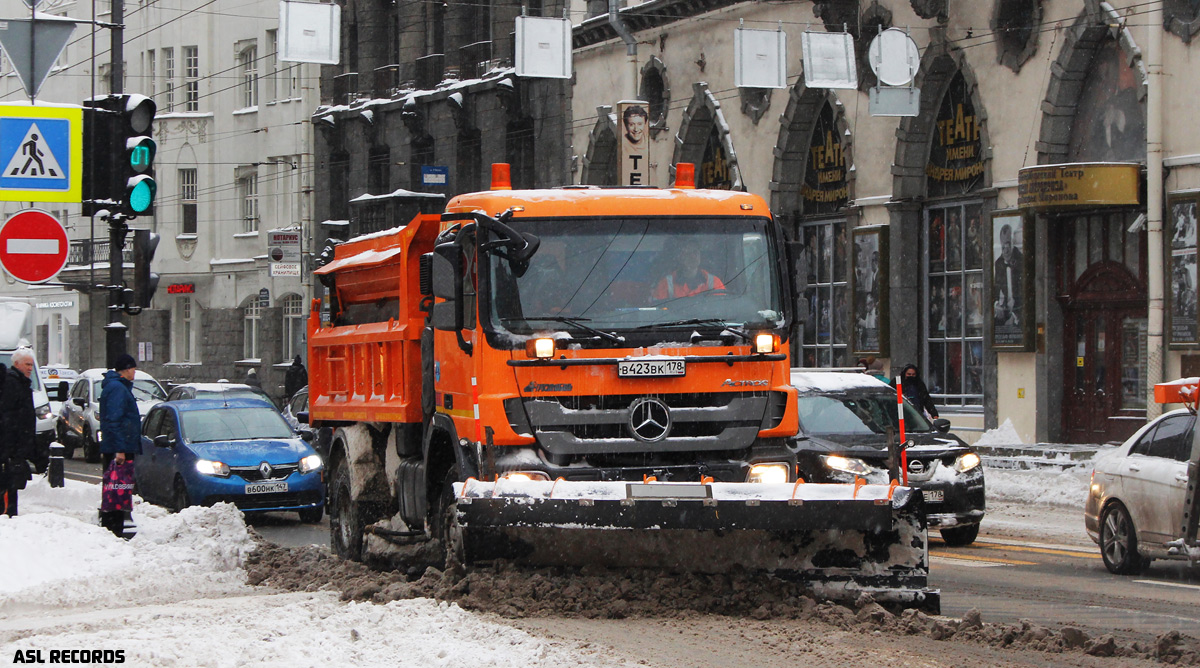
<point>442,523</point>
<point>345,523</point>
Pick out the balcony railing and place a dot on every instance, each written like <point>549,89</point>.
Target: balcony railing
<point>84,252</point>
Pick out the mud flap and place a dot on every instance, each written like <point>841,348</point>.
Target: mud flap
<point>840,540</point>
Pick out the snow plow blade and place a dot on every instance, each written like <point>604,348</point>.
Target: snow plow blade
<point>839,540</point>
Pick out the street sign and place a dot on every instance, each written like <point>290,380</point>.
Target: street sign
<point>33,45</point>
<point>434,175</point>
<point>283,245</point>
<point>285,269</point>
<point>33,246</point>
<point>41,153</point>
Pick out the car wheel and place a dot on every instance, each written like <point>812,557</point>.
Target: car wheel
<point>65,441</point>
<point>345,525</point>
<point>312,515</point>
<point>960,536</point>
<point>1118,542</point>
<point>181,499</point>
<point>91,450</point>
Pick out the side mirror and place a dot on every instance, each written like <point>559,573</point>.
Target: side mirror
<point>80,402</point>
<point>302,417</point>
<point>307,435</point>
<point>163,441</point>
<point>56,392</point>
<point>942,425</point>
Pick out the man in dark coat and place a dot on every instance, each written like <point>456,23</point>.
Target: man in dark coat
<point>915,390</point>
<point>296,378</point>
<point>120,426</point>
<point>18,423</point>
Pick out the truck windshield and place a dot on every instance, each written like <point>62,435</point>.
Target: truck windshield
<point>619,274</point>
<point>862,413</point>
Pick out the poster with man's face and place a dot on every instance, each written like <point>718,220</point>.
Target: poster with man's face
<point>870,276</point>
<point>1008,281</point>
<point>633,128</point>
<point>1182,297</point>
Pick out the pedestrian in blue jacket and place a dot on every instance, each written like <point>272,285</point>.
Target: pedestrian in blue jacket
<point>120,426</point>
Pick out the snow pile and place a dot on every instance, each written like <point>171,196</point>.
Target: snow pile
<point>1005,434</point>
<point>60,560</point>
<point>1040,486</point>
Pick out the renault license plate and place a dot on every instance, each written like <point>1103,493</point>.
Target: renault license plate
<point>266,487</point>
<point>643,368</point>
<point>934,495</point>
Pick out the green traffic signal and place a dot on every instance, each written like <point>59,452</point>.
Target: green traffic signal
<point>141,193</point>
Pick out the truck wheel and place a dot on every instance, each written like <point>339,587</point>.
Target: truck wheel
<point>960,536</point>
<point>444,523</point>
<point>345,525</point>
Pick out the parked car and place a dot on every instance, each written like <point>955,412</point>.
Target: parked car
<point>1135,501</point>
<point>52,377</point>
<point>79,425</point>
<point>217,391</point>
<point>844,422</point>
<point>204,451</point>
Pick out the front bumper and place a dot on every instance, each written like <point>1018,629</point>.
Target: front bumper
<point>304,491</point>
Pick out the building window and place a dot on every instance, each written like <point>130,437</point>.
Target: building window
<point>954,295</point>
<point>825,337</point>
<point>191,78</point>
<point>379,170</point>
<point>185,340</point>
<point>248,63</point>
<point>248,193</point>
<point>293,326</point>
<point>151,84</point>
<point>274,77</point>
<point>168,79</point>
<point>253,316</point>
<point>187,199</point>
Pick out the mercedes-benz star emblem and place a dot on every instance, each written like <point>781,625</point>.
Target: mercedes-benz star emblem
<point>916,466</point>
<point>264,469</point>
<point>649,420</point>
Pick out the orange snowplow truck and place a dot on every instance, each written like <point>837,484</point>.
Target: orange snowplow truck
<point>584,375</point>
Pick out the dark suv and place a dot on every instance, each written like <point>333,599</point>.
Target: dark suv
<point>844,424</point>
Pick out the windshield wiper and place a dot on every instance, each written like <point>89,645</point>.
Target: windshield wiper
<point>577,322</point>
<point>699,321</point>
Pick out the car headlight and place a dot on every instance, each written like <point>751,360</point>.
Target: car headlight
<point>768,473</point>
<point>525,475</point>
<point>966,462</point>
<point>847,464</point>
<point>43,411</point>
<point>311,463</point>
<point>208,467</point>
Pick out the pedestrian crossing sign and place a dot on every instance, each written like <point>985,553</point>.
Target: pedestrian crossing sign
<point>41,153</point>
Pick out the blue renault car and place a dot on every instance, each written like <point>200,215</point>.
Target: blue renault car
<point>204,451</point>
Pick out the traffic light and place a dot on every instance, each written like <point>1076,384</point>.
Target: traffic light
<point>119,155</point>
<point>145,282</point>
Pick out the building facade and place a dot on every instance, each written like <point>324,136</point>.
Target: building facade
<point>234,163</point>
<point>1015,239</point>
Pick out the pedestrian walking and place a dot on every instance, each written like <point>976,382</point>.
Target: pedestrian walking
<point>18,423</point>
<point>120,425</point>
<point>296,378</point>
<point>916,392</point>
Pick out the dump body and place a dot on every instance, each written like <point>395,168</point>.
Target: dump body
<point>626,348</point>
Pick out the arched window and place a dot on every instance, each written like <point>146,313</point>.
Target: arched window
<point>293,326</point>
<point>252,319</point>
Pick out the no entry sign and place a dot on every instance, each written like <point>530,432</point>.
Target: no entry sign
<point>33,246</point>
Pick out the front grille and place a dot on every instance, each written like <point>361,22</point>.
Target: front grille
<point>252,474</point>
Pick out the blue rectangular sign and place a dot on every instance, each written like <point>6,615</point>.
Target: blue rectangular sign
<point>433,175</point>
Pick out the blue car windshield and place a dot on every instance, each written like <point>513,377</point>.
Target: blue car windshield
<point>233,424</point>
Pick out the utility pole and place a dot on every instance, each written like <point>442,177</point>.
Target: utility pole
<point>115,331</point>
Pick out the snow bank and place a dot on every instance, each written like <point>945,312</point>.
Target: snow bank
<point>1005,434</point>
<point>1040,487</point>
<point>56,556</point>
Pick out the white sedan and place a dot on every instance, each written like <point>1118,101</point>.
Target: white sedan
<point>1135,503</point>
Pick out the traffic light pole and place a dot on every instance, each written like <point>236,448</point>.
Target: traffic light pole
<point>115,331</point>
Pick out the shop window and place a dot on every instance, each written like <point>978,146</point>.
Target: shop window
<point>954,319</point>
<point>824,337</point>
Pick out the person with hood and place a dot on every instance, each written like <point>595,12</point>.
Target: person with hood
<point>252,379</point>
<point>120,426</point>
<point>915,390</point>
<point>295,379</point>
<point>19,424</point>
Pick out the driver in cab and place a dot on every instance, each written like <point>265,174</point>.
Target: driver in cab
<point>689,279</point>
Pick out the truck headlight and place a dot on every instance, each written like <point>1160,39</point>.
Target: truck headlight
<point>207,467</point>
<point>310,463</point>
<point>966,462</point>
<point>765,343</point>
<point>542,348</point>
<point>525,476</point>
<point>847,464</point>
<point>768,473</point>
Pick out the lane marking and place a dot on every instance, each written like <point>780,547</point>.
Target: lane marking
<point>1041,550</point>
<point>954,556</point>
<point>1054,546</point>
<point>1168,584</point>
<point>76,476</point>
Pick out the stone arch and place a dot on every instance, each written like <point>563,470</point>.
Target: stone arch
<point>702,115</point>
<point>939,65</point>
<point>1182,18</point>
<point>1098,23</point>
<point>655,88</point>
<point>600,160</point>
<point>791,148</point>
